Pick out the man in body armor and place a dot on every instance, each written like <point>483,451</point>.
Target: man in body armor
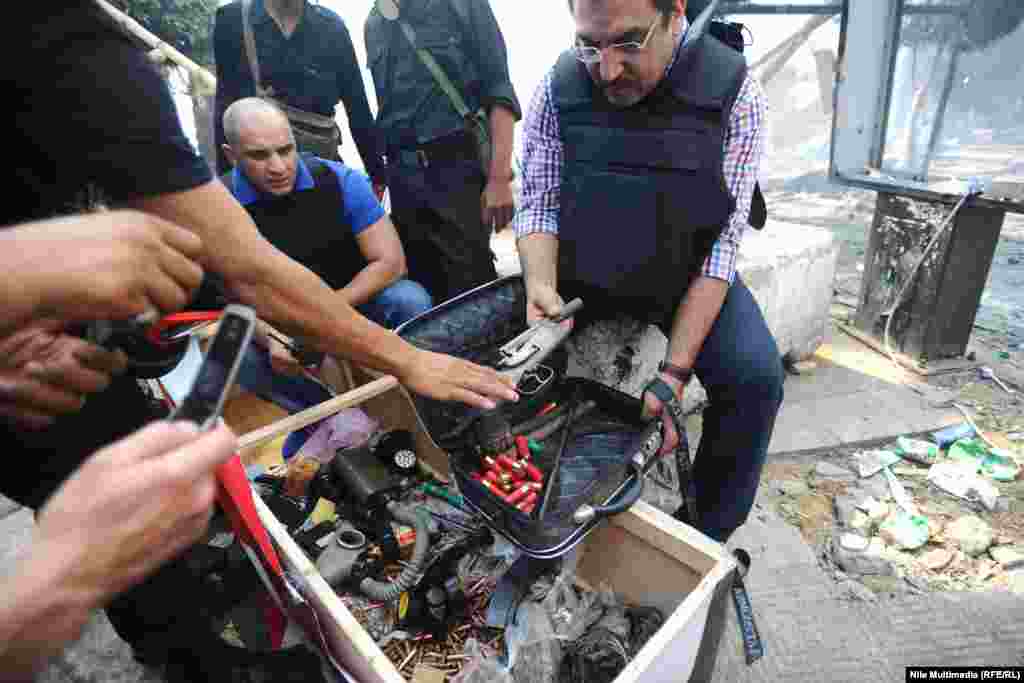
<point>640,158</point>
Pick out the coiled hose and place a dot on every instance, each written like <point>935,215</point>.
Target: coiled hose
<point>384,591</point>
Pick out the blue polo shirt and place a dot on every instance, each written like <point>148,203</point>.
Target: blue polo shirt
<point>361,206</point>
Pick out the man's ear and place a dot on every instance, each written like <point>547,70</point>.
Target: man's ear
<point>229,152</point>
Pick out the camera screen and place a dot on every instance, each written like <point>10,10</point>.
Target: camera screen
<point>213,374</point>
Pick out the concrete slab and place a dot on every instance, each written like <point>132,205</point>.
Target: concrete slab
<point>790,268</point>
<point>855,395</point>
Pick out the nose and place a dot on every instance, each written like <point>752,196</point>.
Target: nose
<point>611,65</point>
<point>276,164</point>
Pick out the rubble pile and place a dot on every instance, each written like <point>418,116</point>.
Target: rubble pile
<point>946,514</point>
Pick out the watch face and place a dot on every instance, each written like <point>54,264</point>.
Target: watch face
<point>388,9</point>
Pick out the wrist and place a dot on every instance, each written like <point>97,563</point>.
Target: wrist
<point>51,578</point>
<point>680,373</point>
<point>673,383</point>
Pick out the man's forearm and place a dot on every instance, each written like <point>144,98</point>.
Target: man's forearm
<point>538,254</point>
<point>371,281</point>
<point>38,618</point>
<point>694,318</point>
<point>281,290</point>
<point>502,126</point>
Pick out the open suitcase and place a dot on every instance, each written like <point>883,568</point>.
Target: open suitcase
<point>594,470</point>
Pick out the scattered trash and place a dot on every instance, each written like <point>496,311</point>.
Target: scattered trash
<point>961,481</point>
<point>988,373</point>
<point>871,462</point>
<point>945,438</point>
<point>916,450</point>
<point>907,532</point>
<point>899,493</point>
<point>937,559</point>
<point>971,533</point>
<point>994,463</point>
<point>876,510</point>
<point>1007,556</point>
<point>861,522</point>
<point>830,471</point>
<point>479,667</point>
<point>790,487</point>
<point>854,543</point>
<point>869,560</point>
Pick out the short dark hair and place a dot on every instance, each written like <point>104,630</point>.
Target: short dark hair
<point>665,7</point>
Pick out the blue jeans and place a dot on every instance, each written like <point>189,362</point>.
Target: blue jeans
<point>741,369</point>
<point>394,305</point>
<point>397,303</point>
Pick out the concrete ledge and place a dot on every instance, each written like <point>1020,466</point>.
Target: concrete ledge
<point>788,267</point>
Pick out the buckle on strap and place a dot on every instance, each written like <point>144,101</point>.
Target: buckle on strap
<point>421,158</point>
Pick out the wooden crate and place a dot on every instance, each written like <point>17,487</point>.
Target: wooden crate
<point>646,557</point>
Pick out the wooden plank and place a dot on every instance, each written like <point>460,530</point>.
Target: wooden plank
<point>671,653</point>
<point>317,412</point>
<point>638,572</point>
<point>936,367</point>
<point>136,29</point>
<point>684,543</point>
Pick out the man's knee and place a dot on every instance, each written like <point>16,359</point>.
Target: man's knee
<point>401,301</point>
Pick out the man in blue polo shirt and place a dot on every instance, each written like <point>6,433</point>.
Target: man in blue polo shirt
<point>324,215</point>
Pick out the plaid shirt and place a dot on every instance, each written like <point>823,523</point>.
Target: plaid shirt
<point>543,157</point>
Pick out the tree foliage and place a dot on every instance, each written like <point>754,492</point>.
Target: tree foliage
<point>184,24</point>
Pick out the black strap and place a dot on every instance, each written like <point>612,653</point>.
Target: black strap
<point>753,646</point>
<point>684,466</point>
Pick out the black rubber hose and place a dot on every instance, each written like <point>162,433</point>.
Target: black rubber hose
<point>385,592</point>
<point>632,496</point>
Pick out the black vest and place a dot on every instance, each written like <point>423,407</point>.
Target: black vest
<point>643,195</point>
<point>309,226</point>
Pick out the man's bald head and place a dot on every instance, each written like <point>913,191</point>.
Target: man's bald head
<point>261,145</point>
<point>251,112</point>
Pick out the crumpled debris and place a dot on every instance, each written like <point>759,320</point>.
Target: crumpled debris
<point>870,463</point>
<point>916,450</point>
<point>992,462</point>
<point>481,668</point>
<point>962,481</point>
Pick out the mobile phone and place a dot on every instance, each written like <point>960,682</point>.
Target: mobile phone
<point>217,372</point>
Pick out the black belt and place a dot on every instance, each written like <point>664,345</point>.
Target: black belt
<point>446,149</point>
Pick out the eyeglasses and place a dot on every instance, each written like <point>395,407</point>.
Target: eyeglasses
<point>589,54</point>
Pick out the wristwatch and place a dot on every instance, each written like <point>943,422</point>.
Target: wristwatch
<point>677,371</point>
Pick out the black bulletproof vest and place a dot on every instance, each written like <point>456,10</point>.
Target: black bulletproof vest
<point>310,227</point>
<point>643,196</point>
